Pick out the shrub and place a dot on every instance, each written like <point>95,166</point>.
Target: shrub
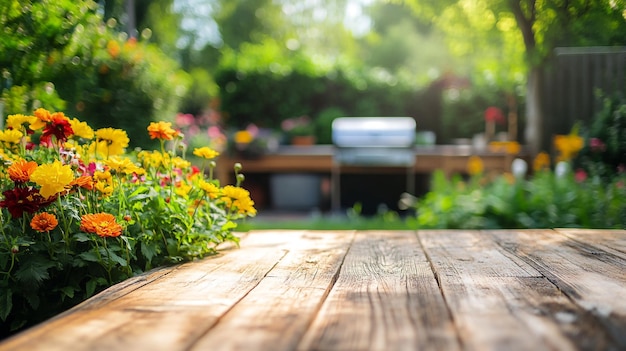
<point>546,200</point>
<point>604,151</point>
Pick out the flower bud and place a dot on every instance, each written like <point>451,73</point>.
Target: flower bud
<point>238,167</point>
<point>15,249</point>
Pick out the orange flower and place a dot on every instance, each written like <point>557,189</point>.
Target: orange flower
<point>85,182</point>
<point>44,222</point>
<point>43,117</point>
<point>102,224</point>
<point>113,48</point>
<point>21,170</point>
<point>161,130</point>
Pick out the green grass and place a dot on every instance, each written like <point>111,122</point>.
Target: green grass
<point>386,221</point>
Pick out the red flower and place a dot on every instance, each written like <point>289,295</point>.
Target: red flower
<point>59,127</point>
<point>19,200</point>
<point>494,114</point>
<point>580,175</point>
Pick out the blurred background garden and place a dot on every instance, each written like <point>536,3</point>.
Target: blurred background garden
<point>246,76</point>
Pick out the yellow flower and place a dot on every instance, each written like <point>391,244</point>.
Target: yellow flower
<point>512,147</point>
<point>18,121</point>
<point>180,163</point>
<point>123,165</point>
<point>243,137</point>
<point>182,189</point>
<point>205,152</point>
<point>11,136</point>
<point>212,190</point>
<point>475,165</point>
<point>44,222</point>
<point>109,142</point>
<point>103,182</point>
<point>153,159</point>
<point>81,129</point>
<point>568,146</point>
<point>239,199</point>
<point>161,130</point>
<point>104,188</point>
<point>53,178</point>
<point>541,162</point>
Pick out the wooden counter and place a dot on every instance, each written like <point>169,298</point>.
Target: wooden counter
<point>319,159</point>
<point>370,290</point>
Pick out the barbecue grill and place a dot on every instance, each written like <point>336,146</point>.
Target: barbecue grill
<point>372,142</point>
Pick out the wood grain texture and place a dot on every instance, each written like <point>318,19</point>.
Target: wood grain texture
<point>277,312</point>
<point>611,241</point>
<point>304,290</point>
<point>386,298</point>
<point>501,302</point>
<point>592,277</point>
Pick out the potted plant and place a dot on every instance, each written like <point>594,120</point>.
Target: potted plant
<point>299,130</point>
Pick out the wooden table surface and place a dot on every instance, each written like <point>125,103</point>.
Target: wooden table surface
<point>561,289</point>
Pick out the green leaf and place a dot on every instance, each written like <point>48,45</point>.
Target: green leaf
<point>117,259</point>
<point>82,237</point>
<point>67,291</point>
<point>90,287</point>
<point>34,270</point>
<point>149,251</point>
<point>229,225</point>
<point>6,303</point>
<point>89,256</point>
<point>33,299</point>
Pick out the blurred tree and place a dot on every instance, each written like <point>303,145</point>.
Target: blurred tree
<point>498,29</point>
<point>103,77</point>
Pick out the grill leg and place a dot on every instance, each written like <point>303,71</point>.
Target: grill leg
<point>410,180</point>
<point>335,188</point>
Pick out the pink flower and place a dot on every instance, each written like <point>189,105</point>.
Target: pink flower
<point>214,132</point>
<point>580,175</point>
<point>184,119</point>
<point>597,145</point>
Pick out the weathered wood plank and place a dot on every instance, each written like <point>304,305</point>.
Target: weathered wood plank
<point>277,312</point>
<point>170,313</point>
<point>500,302</point>
<point>595,279</point>
<point>385,298</point>
<point>610,240</point>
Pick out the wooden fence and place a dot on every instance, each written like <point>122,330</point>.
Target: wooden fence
<point>572,84</point>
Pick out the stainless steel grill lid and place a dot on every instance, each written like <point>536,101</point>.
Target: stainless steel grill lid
<point>374,141</point>
<point>373,132</point>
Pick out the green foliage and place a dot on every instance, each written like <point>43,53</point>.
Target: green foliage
<point>543,201</point>
<point>119,83</point>
<point>604,153</point>
<point>471,105</point>
<point>264,87</point>
<point>64,48</point>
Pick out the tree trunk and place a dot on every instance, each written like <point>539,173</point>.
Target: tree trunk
<point>533,132</point>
